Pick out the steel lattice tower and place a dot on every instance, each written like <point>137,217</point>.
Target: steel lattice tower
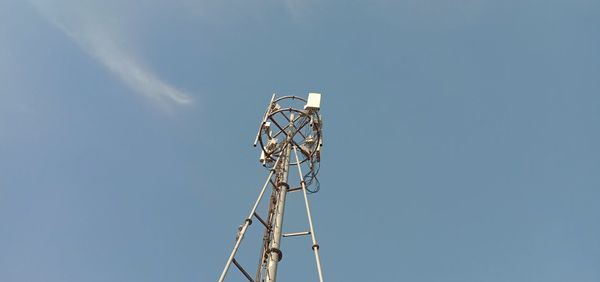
<point>290,135</point>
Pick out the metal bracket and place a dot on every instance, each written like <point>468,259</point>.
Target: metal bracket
<point>278,251</point>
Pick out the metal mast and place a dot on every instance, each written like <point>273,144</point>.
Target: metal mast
<point>294,128</point>
<point>274,252</point>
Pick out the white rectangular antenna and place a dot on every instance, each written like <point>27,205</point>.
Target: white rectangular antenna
<point>313,102</point>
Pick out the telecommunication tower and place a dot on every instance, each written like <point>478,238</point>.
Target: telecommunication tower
<point>290,135</point>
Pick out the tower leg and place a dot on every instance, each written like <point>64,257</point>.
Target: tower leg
<point>242,231</point>
<point>313,237</point>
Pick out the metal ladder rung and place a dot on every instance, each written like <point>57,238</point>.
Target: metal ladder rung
<point>242,270</point>
<point>295,189</point>
<point>261,220</point>
<point>296,234</point>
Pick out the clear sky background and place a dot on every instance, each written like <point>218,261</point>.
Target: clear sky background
<point>461,137</point>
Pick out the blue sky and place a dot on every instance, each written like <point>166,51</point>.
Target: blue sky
<point>461,137</point>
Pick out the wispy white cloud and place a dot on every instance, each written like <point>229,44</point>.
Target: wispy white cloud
<point>103,39</point>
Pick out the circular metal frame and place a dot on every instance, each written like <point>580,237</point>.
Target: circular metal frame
<point>292,131</point>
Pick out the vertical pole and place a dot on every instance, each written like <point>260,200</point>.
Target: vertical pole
<point>313,236</point>
<point>247,223</point>
<point>274,250</point>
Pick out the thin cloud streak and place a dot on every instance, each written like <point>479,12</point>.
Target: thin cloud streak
<point>101,41</point>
